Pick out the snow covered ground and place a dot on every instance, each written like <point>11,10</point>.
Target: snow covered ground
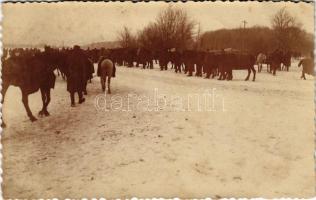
<point>255,140</point>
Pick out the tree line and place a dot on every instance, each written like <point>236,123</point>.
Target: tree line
<point>173,28</point>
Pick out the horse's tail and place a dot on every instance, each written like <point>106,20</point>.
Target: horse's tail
<point>300,63</point>
<point>106,68</point>
<point>99,66</point>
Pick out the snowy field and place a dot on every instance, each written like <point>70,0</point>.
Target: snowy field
<point>257,140</point>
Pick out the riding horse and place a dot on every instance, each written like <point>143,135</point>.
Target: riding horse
<point>29,73</point>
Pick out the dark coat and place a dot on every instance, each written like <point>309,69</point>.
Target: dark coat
<point>77,71</point>
<point>89,68</point>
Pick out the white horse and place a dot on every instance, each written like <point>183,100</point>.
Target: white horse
<point>261,59</point>
<point>105,70</point>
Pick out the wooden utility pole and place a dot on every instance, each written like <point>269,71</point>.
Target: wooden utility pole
<point>244,22</point>
<point>198,36</point>
<point>243,37</point>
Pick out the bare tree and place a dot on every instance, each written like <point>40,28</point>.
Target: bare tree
<point>126,38</point>
<point>148,37</point>
<point>286,28</point>
<point>175,28</point>
<point>260,39</point>
<point>198,38</point>
<point>283,20</point>
<point>172,29</point>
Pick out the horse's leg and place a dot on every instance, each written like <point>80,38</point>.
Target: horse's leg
<point>72,99</point>
<point>258,67</point>
<point>208,74</point>
<point>227,77</point>
<point>151,64</point>
<point>102,83</point>
<point>220,75</point>
<point>201,71</point>
<point>5,87</point>
<point>268,68</point>
<point>41,112</point>
<point>26,105</point>
<point>224,75</point>
<point>85,88</point>
<point>213,73</point>
<point>230,75</point>
<point>197,71</point>
<point>249,72</point>
<point>114,70</point>
<point>46,113</point>
<point>109,83</point>
<point>274,70</point>
<point>254,73</point>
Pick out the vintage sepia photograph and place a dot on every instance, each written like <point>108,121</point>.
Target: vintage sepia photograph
<point>157,100</point>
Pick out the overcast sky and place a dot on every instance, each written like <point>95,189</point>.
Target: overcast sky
<point>81,22</point>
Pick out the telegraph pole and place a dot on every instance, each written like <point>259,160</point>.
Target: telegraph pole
<point>243,40</point>
<point>198,36</point>
<point>244,22</point>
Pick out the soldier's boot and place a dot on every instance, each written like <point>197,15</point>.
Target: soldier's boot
<point>72,99</point>
<point>81,99</point>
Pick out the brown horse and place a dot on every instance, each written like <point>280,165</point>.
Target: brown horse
<point>105,70</point>
<point>236,61</point>
<point>29,73</point>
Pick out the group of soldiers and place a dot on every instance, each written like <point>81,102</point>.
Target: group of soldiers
<point>210,62</point>
<point>33,69</point>
<point>73,63</point>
